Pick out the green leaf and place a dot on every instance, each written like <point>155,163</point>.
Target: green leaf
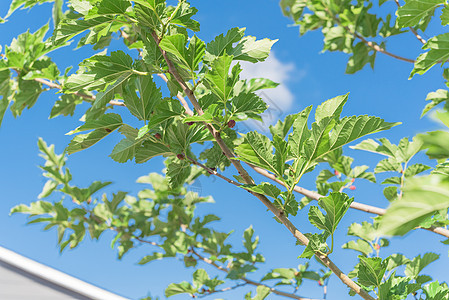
<point>35,208</point>
<point>391,193</point>
<point>364,231</point>
<point>149,258</point>
<point>103,70</point>
<point>241,48</point>
<point>179,288</point>
<point>414,11</point>
<point>388,165</point>
<point>57,12</point>
<point>300,134</point>
<point>49,187</point>
<point>5,90</point>
<point>438,47</point>
<point>248,105</point>
<point>445,15</point>
<point>359,245</point>
<point>262,292</point>
<point>422,197</point>
<point>335,205</point>
<point>436,143</point>
<point>69,28</point>
<point>177,173</point>
<point>435,98</point>
<point>415,169</point>
<point>371,271</point>
<point>142,105</point>
<point>65,106</point>
<point>27,93</point>
<point>200,277</point>
<point>419,263</point>
<point>258,150</point>
<point>150,149</point>
<point>360,58</point>
<point>182,16</point>
<point>442,169</point>
<point>264,188</point>
<point>248,242</point>
<point>316,244</point>
<point>102,127</point>
<point>219,80</point>
<point>150,13</point>
<point>164,111</point>
<point>16,4</point>
<point>352,128</point>
<point>396,260</point>
<point>126,148</point>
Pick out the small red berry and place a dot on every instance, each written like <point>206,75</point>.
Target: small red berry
<point>336,173</point>
<point>352,187</point>
<point>231,124</point>
<point>352,180</point>
<point>190,123</point>
<point>376,246</point>
<point>180,156</point>
<point>320,282</point>
<point>158,136</point>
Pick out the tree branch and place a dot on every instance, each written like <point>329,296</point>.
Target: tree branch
<point>179,96</point>
<point>246,280</point>
<point>355,205</point>
<point>226,270</point>
<point>247,178</point>
<point>420,38</point>
<point>368,43</point>
<point>90,98</point>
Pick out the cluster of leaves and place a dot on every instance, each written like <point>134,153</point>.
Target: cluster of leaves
<point>305,147</point>
<point>160,217</point>
<point>346,26</point>
<point>362,29</point>
<point>381,275</point>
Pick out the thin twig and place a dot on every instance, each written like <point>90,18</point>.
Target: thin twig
<point>90,98</point>
<point>179,96</point>
<point>420,38</point>
<point>213,172</point>
<point>355,205</point>
<point>302,239</point>
<point>208,293</point>
<point>246,280</point>
<point>223,269</point>
<point>368,43</point>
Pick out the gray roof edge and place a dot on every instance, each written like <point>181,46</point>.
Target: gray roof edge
<point>56,277</point>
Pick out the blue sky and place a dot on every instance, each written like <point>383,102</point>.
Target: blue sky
<point>308,77</point>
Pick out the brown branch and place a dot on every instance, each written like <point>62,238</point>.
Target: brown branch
<point>226,270</point>
<point>368,43</point>
<point>213,172</point>
<point>179,96</point>
<point>247,178</point>
<point>420,38</point>
<point>246,280</point>
<point>355,205</point>
<point>90,98</point>
<point>208,293</point>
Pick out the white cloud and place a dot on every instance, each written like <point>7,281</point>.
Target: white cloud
<point>279,99</point>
